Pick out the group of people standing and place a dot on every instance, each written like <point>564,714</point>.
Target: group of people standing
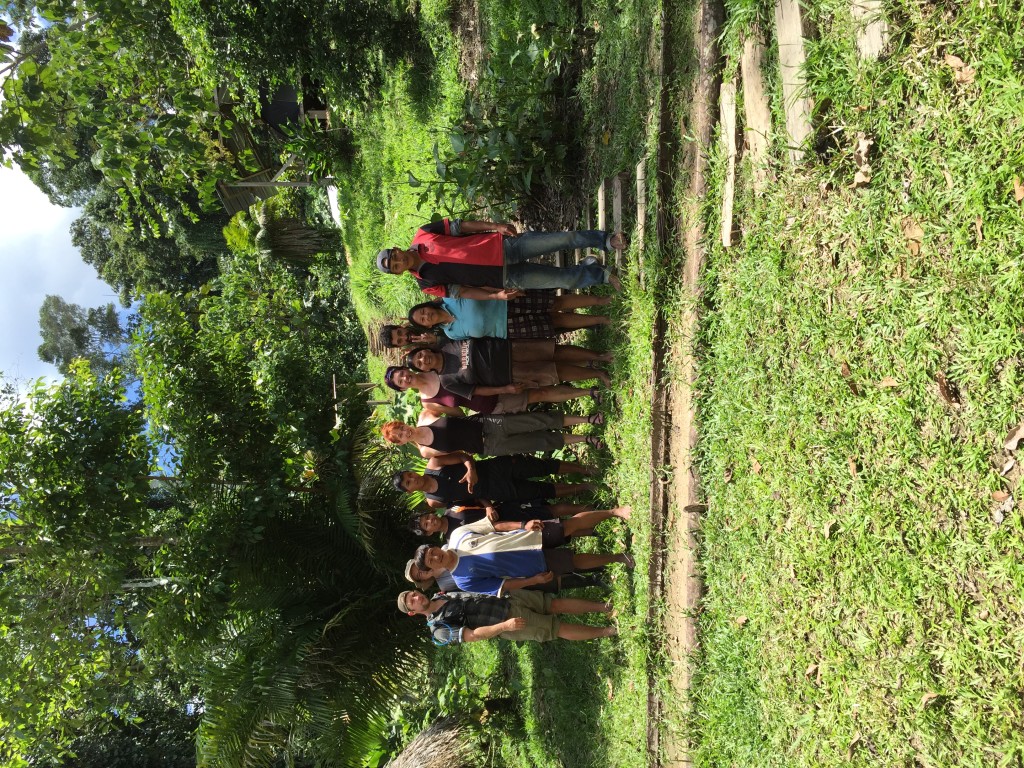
<point>486,344</point>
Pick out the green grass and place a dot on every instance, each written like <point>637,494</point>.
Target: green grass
<point>863,604</point>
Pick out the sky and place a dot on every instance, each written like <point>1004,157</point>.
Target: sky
<point>36,259</point>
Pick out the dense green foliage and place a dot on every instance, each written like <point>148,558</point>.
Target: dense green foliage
<point>108,83</point>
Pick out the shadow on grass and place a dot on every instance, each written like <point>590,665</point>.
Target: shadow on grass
<point>563,696</point>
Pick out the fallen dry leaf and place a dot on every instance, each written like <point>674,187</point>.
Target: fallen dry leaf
<point>728,474</point>
<point>1015,436</point>
<point>961,72</point>
<point>914,235</point>
<point>862,150</point>
<point>852,464</point>
<point>830,526</point>
<point>977,228</point>
<point>862,177</point>
<point>888,383</point>
<point>611,692</point>
<point>741,620</point>
<point>848,375</point>
<point>949,179</point>
<point>947,390</point>
<point>811,671</point>
<point>853,744</point>
<point>999,513</point>
<point>776,495</point>
<point>965,75</point>
<point>1010,463</point>
<point>928,698</point>
<point>1018,189</point>
<point>983,614</point>
<point>999,495</point>
<point>755,466</point>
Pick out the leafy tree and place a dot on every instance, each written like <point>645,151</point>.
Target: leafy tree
<point>277,41</point>
<point>154,723</point>
<point>74,468</point>
<point>70,331</point>
<point>130,259</point>
<point>112,79</point>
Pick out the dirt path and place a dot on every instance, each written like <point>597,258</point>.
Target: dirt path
<point>675,485</point>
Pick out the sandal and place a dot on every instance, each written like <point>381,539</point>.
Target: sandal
<point>596,418</point>
<point>595,442</point>
<point>595,394</point>
<point>628,561</point>
<point>619,238</point>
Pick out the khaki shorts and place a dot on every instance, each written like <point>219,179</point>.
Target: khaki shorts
<point>535,607</point>
<point>511,404</point>
<point>533,363</point>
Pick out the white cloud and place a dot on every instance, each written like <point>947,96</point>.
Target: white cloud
<point>36,258</point>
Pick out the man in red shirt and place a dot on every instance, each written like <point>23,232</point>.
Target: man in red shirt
<point>488,260</point>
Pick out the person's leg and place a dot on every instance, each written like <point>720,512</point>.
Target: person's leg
<point>529,276</point>
<point>571,489</point>
<point>580,523</point>
<point>570,372</point>
<point>574,606</point>
<point>577,580</point>
<point>570,321</point>
<point>565,509</point>
<point>557,394</point>
<point>591,560</point>
<point>585,632</point>
<point>570,353</point>
<point>568,302</point>
<point>573,468</point>
<point>530,245</point>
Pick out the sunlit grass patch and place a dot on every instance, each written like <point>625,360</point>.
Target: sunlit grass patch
<point>862,593</point>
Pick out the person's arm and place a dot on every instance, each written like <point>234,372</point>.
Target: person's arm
<point>505,389</point>
<point>478,227</point>
<point>437,410</point>
<point>458,457</point>
<point>486,633</point>
<point>484,293</point>
<point>511,525</point>
<point>529,581</point>
<point>448,459</point>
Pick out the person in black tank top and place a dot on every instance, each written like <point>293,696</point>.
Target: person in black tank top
<point>492,435</point>
<point>445,483</point>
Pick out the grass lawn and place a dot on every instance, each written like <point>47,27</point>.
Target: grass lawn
<point>862,363</point>
<point>864,586</point>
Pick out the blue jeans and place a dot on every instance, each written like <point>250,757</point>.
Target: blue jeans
<point>520,273</point>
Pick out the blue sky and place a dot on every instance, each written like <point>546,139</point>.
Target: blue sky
<point>36,258</point>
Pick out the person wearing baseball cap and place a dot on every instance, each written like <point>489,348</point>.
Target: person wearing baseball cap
<point>491,260</point>
<point>466,617</point>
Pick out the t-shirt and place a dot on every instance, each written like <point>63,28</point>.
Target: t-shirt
<point>476,318</point>
<point>488,558</point>
<point>475,362</point>
<point>473,260</point>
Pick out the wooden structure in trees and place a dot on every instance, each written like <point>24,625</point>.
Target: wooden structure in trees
<point>277,109</point>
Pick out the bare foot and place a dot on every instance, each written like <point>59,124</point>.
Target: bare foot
<point>614,282</point>
<point>624,512</point>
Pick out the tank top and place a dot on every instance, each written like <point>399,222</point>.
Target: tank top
<point>455,434</point>
<point>477,403</point>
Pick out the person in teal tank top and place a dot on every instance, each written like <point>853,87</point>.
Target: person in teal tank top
<point>533,316</point>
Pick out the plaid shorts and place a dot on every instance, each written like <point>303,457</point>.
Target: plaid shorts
<point>529,316</point>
